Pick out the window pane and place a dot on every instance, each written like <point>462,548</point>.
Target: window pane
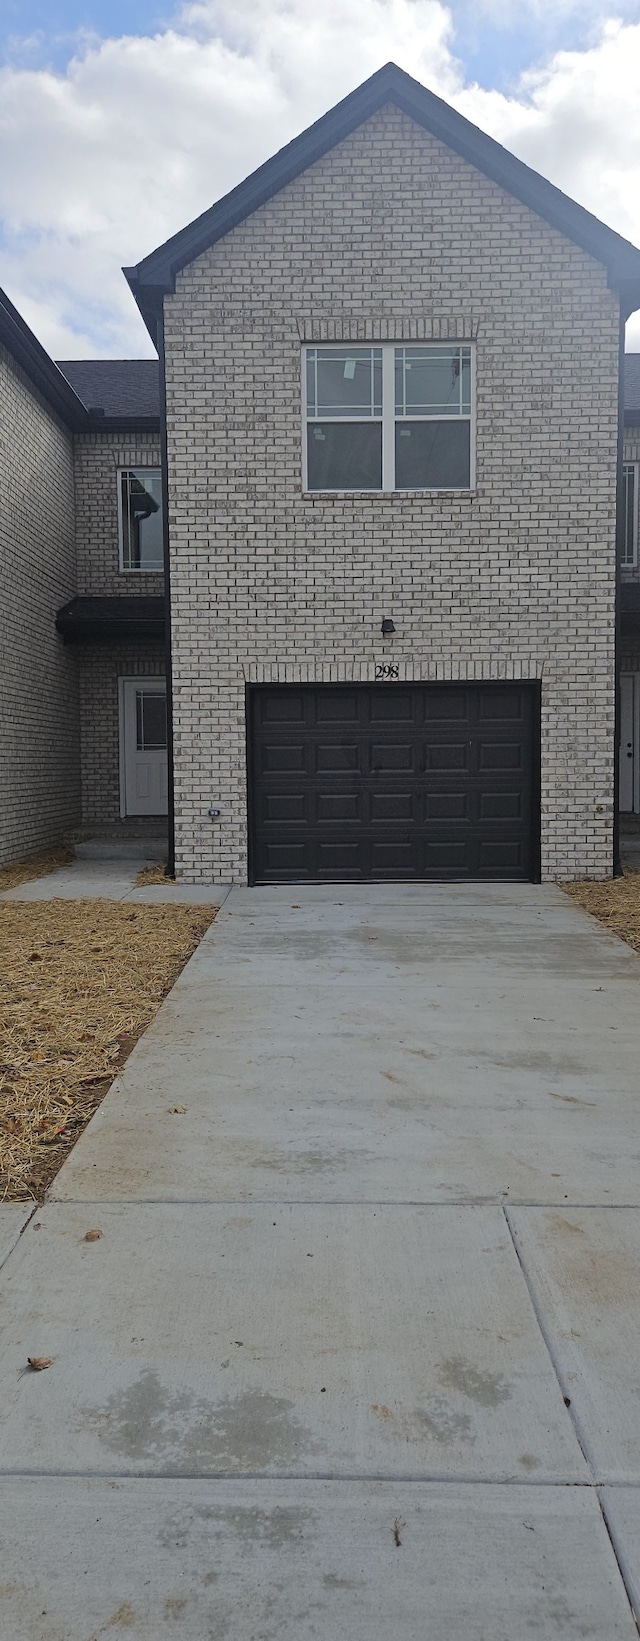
<point>151,720</point>
<point>629,482</point>
<point>344,456</point>
<point>344,382</point>
<point>142,547</point>
<point>433,381</point>
<point>433,455</point>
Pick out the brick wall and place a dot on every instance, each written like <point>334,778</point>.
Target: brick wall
<point>391,235</point>
<point>38,685</point>
<point>97,459</point>
<point>100,668</point>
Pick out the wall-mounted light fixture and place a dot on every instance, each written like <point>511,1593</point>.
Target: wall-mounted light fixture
<point>388,626</point>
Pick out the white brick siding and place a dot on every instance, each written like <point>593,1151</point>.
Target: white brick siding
<point>393,235</point>
<point>38,687</point>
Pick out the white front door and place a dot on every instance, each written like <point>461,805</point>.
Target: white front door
<point>629,742</point>
<point>143,719</point>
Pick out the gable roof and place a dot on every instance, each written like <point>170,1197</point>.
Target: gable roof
<point>118,387</point>
<point>155,275</point>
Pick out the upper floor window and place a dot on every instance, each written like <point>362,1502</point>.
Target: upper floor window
<point>140,517</point>
<point>630,512</point>
<point>388,418</point>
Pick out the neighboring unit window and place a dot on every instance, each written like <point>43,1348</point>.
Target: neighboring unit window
<point>387,418</point>
<point>140,509</point>
<point>630,510</point>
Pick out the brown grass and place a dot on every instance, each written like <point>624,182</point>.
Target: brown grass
<point>152,874</point>
<point>79,981</point>
<point>24,871</point>
<point>615,903</point>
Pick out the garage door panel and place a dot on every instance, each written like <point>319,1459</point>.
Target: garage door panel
<point>339,707</point>
<point>353,782</point>
<point>393,755</point>
<point>495,856</point>
<point>340,806</point>
<point>394,806</point>
<point>335,757</point>
<point>500,805</point>
<point>506,706</point>
<point>394,708</point>
<point>446,806</point>
<point>282,757</point>
<point>501,755</point>
<point>444,755</point>
<point>284,806</point>
<point>282,859</point>
<point>286,708</point>
<point>448,705</point>
<point>344,858</point>
<point>393,860</point>
<point>448,856</point>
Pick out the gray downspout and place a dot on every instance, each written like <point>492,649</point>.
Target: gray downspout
<point>171,856</point>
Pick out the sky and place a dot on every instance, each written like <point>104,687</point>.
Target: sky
<point>122,120</point>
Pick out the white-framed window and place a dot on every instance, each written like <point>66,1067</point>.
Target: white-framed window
<point>140,518</point>
<point>388,417</point>
<point>630,487</point>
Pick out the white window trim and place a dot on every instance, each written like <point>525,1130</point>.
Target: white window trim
<point>388,420</point>
<point>132,467</point>
<point>142,680</point>
<point>632,563</point>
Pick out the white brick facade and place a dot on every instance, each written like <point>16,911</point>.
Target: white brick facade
<point>39,746</point>
<point>392,235</point>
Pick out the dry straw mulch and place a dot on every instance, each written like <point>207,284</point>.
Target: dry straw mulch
<point>24,871</point>
<point>79,981</point>
<point>151,874</point>
<point>615,903</point>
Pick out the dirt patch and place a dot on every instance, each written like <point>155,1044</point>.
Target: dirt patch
<point>152,874</point>
<point>615,903</point>
<point>25,871</point>
<point>79,981</point>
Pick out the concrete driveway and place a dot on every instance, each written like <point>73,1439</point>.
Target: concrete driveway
<point>357,1354</point>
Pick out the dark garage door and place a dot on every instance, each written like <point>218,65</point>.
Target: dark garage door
<point>392,781</point>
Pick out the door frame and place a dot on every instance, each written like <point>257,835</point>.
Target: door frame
<point>634,679</point>
<point>140,679</point>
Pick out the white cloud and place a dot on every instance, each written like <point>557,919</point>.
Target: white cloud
<point>100,164</point>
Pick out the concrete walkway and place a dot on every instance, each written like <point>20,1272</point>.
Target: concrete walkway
<point>113,880</point>
<point>355,1357</point>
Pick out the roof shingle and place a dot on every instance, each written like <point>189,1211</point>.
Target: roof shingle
<point>119,387</point>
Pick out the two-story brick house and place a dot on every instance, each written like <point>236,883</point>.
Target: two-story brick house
<point>392,372</point>
<point>388,427</point>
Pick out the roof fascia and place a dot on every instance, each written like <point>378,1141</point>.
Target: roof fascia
<point>122,424</point>
<point>154,277</point>
<point>28,352</point>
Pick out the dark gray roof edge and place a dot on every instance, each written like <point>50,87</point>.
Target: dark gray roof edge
<point>155,274</point>
<point>121,424</point>
<point>34,360</point>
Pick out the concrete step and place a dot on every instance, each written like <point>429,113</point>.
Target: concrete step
<point>135,848</point>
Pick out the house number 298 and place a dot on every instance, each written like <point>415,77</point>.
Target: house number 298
<point>388,669</point>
